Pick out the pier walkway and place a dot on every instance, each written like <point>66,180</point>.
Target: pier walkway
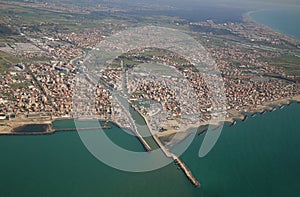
<point>186,171</point>
<point>168,154</point>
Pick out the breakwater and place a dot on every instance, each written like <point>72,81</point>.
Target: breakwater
<point>143,141</point>
<point>50,130</point>
<point>186,171</point>
<point>168,154</point>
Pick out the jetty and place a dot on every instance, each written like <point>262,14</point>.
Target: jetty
<point>178,161</point>
<point>186,171</point>
<point>77,129</point>
<point>143,141</point>
<point>168,154</point>
<point>49,131</point>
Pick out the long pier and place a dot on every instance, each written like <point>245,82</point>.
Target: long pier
<point>186,171</point>
<point>143,141</point>
<point>77,129</point>
<point>181,164</point>
<point>50,131</point>
<point>168,154</point>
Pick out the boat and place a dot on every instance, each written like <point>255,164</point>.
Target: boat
<point>170,118</point>
<point>106,126</point>
<point>233,123</point>
<point>202,131</point>
<point>245,118</point>
<point>162,129</point>
<point>175,127</point>
<point>263,112</point>
<point>2,116</point>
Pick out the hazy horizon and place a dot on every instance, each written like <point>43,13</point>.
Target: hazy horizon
<point>234,3</point>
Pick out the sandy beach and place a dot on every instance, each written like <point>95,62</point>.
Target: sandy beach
<point>232,115</point>
<point>171,126</point>
<point>8,126</point>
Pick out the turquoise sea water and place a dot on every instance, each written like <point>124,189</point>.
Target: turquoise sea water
<point>282,20</point>
<point>259,157</point>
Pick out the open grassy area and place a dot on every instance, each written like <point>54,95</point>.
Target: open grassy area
<point>6,60</point>
<point>20,85</point>
<point>158,69</point>
<point>3,68</point>
<point>291,64</point>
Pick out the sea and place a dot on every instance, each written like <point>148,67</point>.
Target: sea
<point>257,157</point>
<point>283,20</point>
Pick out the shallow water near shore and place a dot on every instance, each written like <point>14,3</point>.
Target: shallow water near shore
<point>258,157</point>
<point>32,128</point>
<point>285,21</point>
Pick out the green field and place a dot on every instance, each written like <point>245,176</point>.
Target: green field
<point>291,64</point>
<point>157,69</point>
<point>6,60</point>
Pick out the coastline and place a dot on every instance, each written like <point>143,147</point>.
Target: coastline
<point>256,153</point>
<point>7,127</point>
<point>234,116</point>
<point>248,18</point>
